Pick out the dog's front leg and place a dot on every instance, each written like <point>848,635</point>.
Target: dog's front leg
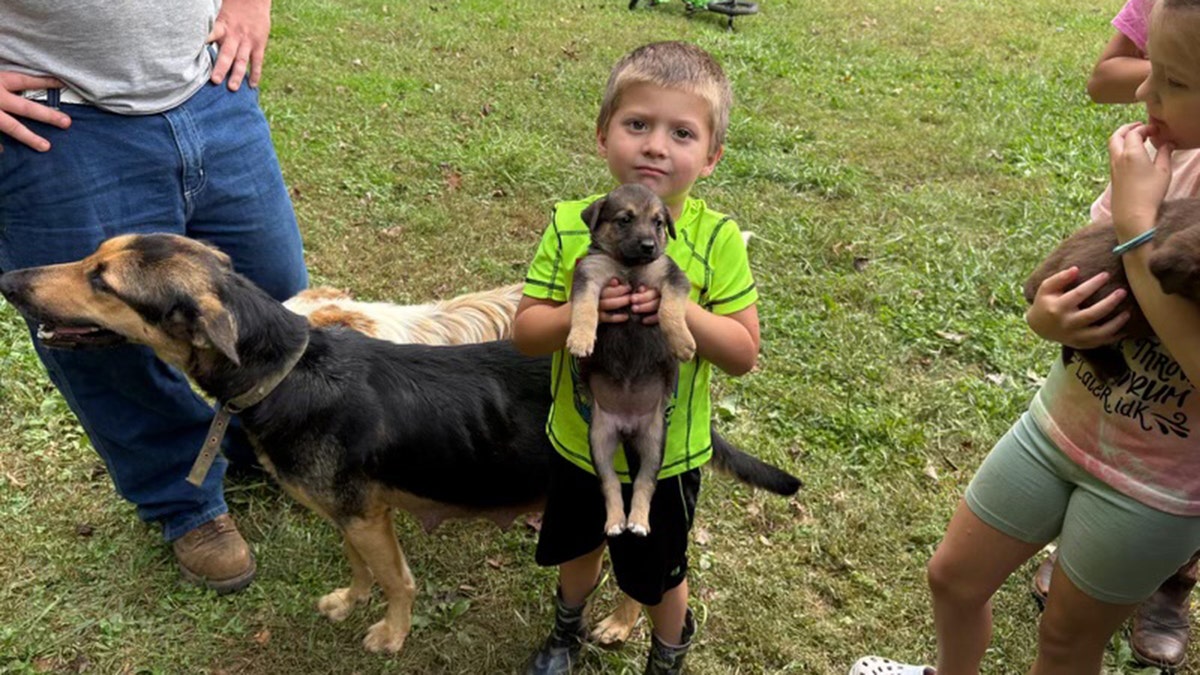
<point>338,604</point>
<point>604,436</point>
<point>375,539</point>
<point>672,309</point>
<point>591,274</point>
<point>649,446</point>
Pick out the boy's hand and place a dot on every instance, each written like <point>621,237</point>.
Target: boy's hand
<point>1056,314</point>
<point>644,303</point>
<point>614,302</point>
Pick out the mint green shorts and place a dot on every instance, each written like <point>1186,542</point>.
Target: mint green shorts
<point>1114,548</point>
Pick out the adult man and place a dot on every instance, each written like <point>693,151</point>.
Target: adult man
<point>125,116</point>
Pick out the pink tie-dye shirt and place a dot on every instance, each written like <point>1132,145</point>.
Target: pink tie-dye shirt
<point>1139,434</point>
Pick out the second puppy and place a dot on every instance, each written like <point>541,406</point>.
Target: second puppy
<point>629,369</point>
<point>1174,261</point>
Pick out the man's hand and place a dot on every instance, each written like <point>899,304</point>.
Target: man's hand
<point>241,32</point>
<point>12,105</point>
<point>1056,316</point>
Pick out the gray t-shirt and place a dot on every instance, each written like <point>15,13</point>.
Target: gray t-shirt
<point>134,57</point>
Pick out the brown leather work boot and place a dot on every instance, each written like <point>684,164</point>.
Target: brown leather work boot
<point>215,556</point>
<point>1039,585</point>
<point>1160,624</point>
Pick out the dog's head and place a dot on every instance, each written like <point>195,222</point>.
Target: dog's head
<point>1175,260</point>
<point>630,224</point>
<point>160,290</point>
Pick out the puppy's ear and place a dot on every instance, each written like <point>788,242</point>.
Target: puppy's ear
<point>591,215</point>
<point>1177,274</point>
<point>670,221</point>
<point>217,329</point>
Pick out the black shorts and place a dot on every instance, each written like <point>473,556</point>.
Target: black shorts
<point>645,567</point>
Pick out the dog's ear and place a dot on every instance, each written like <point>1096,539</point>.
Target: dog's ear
<point>591,215</point>
<point>670,222</point>
<point>217,329</point>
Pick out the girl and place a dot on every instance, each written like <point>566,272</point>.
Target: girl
<point>1110,468</point>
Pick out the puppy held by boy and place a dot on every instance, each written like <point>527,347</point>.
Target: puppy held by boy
<point>1175,261</point>
<point>629,369</point>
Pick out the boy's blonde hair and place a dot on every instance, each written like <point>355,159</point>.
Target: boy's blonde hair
<point>672,65</point>
<point>1186,41</point>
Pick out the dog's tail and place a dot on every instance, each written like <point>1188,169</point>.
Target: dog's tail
<point>732,460</point>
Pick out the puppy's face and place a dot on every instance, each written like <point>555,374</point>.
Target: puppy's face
<point>630,224</point>
<point>1176,257</point>
<point>158,290</point>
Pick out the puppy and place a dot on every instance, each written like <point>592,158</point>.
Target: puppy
<point>1174,261</point>
<point>629,369</point>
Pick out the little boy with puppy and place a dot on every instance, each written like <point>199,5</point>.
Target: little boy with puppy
<point>662,124</point>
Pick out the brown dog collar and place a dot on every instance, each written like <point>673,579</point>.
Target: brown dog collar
<point>235,405</point>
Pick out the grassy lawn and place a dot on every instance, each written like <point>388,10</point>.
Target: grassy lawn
<point>903,164</point>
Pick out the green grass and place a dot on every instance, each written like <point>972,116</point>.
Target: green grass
<point>903,164</point>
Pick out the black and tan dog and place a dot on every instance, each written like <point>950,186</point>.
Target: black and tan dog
<point>628,369</point>
<point>353,427</point>
<point>1174,261</point>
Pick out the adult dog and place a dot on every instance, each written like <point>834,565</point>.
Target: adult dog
<point>351,426</point>
<point>628,369</point>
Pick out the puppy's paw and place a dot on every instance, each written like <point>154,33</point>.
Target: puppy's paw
<point>641,529</point>
<point>580,343</point>
<point>337,605</point>
<point>613,527</point>
<point>683,347</point>
<point>382,637</point>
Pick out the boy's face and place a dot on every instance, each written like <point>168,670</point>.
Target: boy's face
<point>660,138</point>
<point>1172,92</point>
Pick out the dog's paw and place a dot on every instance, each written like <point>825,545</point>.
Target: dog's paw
<point>382,637</point>
<point>640,529</point>
<point>683,347</point>
<point>337,605</point>
<point>614,629</point>
<point>614,527</point>
<point>580,344</point>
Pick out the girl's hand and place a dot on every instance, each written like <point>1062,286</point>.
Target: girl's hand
<point>1139,183</point>
<point>615,299</point>
<point>1056,314</point>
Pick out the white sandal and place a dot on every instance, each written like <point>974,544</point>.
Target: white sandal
<point>874,665</point>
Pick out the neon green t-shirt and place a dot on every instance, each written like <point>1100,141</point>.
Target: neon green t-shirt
<point>710,250</point>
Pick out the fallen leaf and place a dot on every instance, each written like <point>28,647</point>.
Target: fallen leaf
<point>83,529</point>
<point>860,263</point>
<point>703,536</point>
<point>495,563</point>
<point>762,539</point>
<point>262,637</point>
<point>950,336</point>
<point>931,471</point>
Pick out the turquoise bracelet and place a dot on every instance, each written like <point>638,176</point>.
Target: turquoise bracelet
<point>1122,249</point>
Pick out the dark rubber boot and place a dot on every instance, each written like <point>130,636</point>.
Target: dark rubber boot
<point>561,649</point>
<point>668,659</point>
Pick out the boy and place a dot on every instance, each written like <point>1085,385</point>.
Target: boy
<point>662,123</point>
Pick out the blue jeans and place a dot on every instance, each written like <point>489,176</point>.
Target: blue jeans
<point>205,169</point>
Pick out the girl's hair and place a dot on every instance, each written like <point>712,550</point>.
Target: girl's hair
<point>1183,41</point>
<point>672,65</point>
